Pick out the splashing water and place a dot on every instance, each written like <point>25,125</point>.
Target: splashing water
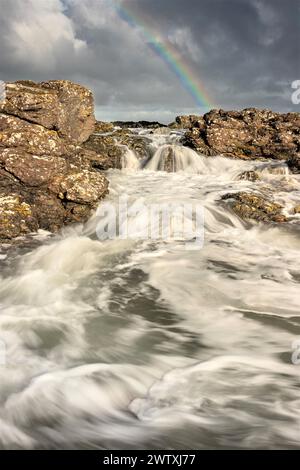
<point>142,344</point>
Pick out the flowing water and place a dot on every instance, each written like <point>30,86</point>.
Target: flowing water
<point>128,344</point>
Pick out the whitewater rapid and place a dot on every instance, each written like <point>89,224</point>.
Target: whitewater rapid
<point>127,344</point>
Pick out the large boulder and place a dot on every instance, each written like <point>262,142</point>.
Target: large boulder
<point>58,105</point>
<point>247,134</point>
<point>184,121</point>
<point>254,206</point>
<point>47,179</point>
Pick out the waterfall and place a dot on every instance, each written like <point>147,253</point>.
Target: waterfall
<point>140,343</point>
<point>174,158</point>
<point>129,160</point>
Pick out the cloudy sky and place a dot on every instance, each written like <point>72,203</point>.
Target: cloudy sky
<point>242,52</point>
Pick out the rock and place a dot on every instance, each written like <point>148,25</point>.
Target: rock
<point>297,209</point>
<point>31,138</point>
<point>102,127</point>
<point>107,153</point>
<point>250,175</point>
<point>136,124</point>
<point>184,122</point>
<point>294,163</point>
<point>247,134</point>
<point>16,217</point>
<point>81,186</point>
<point>109,149</point>
<point>57,105</point>
<point>47,178</point>
<point>33,170</point>
<point>253,206</point>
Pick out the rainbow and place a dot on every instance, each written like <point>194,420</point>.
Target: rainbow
<point>168,53</point>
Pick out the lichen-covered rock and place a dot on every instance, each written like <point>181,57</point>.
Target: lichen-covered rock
<point>297,209</point>
<point>254,206</point>
<point>16,217</point>
<point>82,187</point>
<point>107,152</point>
<point>33,170</point>
<point>185,121</point>
<point>47,179</point>
<point>58,105</point>
<point>247,134</point>
<point>18,134</point>
<point>249,175</point>
<point>103,127</point>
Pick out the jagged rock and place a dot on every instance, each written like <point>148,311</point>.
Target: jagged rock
<point>249,175</point>
<point>297,209</point>
<point>136,124</point>
<point>82,186</point>
<point>103,127</point>
<point>247,134</point>
<point>58,105</point>
<point>47,179</point>
<point>32,170</point>
<point>256,207</point>
<point>16,217</point>
<point>31,138</point>
<point>107,153</point>
<point>294,163</point>
<point>109,149</point>
<point>184,122</point>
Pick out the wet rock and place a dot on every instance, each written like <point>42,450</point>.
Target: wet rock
<point>255,207</point>
<point>109,149</point>
<point>47,177</point>
<point>294,163</point>
<point>250,175</point>
<point>107,152</point>
<point>247,134</point>
<point>297,209</point>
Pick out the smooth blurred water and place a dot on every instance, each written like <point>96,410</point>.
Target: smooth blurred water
<point>128,344</point>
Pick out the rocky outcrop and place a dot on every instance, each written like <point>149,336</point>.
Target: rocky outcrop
<point>185,121</point>
<point>247,134</point>
<point>254,206</point>
<point>103,127</point>
<point>57,105</point>
<point>109,149</point>
<point>136,124</point>
<point>47,178</point>
<point>249,175</point>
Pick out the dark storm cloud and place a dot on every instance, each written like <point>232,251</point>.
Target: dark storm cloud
<point>246,52</point>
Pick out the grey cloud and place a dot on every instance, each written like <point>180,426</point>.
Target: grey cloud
<point>246,52</point>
